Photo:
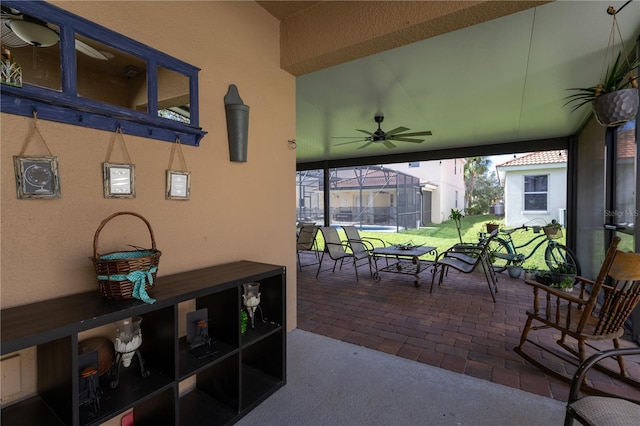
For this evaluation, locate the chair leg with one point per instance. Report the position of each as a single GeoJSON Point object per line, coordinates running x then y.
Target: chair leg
{"type": "Point", "coordinates": [320, 264]}
{"type": "Point", "coordinates": [433, 277]}
{"type": "Point", "coordinates": [623, 370]}
{"type": "Point", "coordinates": [525, 331]}
{"type": "Point", "coordinates": [442, 269]}
{"type": "Point", "coordinates": [370, 259]}
{"type": "Point", "coordinates": [488, 278]}
{"type": "Point", "coordinates": [568, 417]}
{"type": "Point", "coordinates": [355, 266]}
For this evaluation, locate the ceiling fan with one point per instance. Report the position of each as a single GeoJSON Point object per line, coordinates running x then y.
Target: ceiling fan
{"type": "Point", "coordinates": [380, 136]}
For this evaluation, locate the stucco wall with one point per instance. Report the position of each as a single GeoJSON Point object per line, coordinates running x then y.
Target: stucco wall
{"type": "Point", "coordinates": [514, 195]}
{"type": "Point", "coordinates": [237, 210]}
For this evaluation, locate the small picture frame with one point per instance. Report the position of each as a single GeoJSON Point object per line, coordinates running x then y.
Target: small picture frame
{"type": "Point", "coordinates": [119, 180]}
{"type": "Point", "coordinates": [178, 185]}
{"type": "Point", "coordinates": [37, 177]}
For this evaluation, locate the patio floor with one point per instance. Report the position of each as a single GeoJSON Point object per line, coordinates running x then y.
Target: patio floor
{"type": "Point", "coordinates": [457, 327]}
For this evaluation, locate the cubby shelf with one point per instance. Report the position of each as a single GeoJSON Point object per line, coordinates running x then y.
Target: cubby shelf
{"type": "Point", "coordinates": [244, 370]}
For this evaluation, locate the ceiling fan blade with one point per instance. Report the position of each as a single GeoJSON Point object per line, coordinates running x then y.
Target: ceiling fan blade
{"type": "Point", "coordinates": [346, 143]}
{"type": "Point", "coordinates": [388, 144]}
{"type": "Point", "coordinates": [365, 131]}
{"type": "Point", "coordinates": [396, 130]}
{"type": "Point", "coordinates": [425, 133]}
{"type": "Point", "coordinates": [365, 145]}
{"type": "Point", "coordinates": [401, 138]}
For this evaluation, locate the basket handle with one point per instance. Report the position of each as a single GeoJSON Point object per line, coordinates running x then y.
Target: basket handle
{"type": "Point", "coordinates": [104, 222]}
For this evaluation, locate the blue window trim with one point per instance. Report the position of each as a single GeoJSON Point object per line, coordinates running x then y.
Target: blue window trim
{"type": "Point", "coordinates": [66, 106]}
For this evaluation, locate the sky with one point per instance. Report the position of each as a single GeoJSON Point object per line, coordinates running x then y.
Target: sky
{"type": "Point", "coordinates": [499, 159]}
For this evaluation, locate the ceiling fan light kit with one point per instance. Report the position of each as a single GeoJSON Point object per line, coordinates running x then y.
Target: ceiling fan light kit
{"type": "Point", "coordinates": [385, 138]}
{"type": "Point", "coordinates": [35, 33]}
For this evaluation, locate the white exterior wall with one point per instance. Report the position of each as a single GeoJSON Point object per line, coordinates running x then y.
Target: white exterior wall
{"type": "Point", "coordinates": [447, 176]}
{"type": "Point", "coordinates": [514, 193]}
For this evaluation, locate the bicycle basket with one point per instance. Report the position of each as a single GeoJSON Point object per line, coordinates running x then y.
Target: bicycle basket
{"type": "Point", "coordinates": [553, 232]}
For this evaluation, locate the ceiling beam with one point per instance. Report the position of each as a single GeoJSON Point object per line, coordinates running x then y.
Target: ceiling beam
{"type": "Point", "coordinates": [442, 154]}
{"type": "Point", "coordinates": [333, 32]}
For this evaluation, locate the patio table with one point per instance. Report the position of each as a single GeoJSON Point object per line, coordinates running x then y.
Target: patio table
{"type": "Point", "coordinates": [407, 260]}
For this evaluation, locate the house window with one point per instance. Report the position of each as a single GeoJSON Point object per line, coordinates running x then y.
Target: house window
{"type": "Point", "coordinates": [535, 192]}
{"type": "Point", "coordinates": [456, 200]}
{"type": "Point", "coordinates": [414, 164]}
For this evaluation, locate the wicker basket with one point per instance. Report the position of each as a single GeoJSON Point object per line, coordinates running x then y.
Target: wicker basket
{"type": "Point", "coordinates": [126, 274]}
{"type": "Point", "coordinates": [553, 232]}
{"type": "Point", "coordinates": [492, 227]}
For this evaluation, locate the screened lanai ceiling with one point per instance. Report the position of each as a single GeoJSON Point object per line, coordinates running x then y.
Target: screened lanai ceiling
{"type": "Point", "coordinates": [495, 82]}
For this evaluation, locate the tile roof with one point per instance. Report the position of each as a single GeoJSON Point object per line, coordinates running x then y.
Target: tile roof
{"type": "Point", "coordinates": [541, 157]}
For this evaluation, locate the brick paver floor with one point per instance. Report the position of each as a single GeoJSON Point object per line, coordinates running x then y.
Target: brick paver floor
{"type": "Point", "coordinates": [457, 327]}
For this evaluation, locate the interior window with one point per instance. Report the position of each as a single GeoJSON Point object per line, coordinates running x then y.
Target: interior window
{"type": "Point", "coordinates": [40, 63]}
{"type": "Point", "coordinates": [74, 71]}
{"type": "Point", "coordinates": [122, 77]}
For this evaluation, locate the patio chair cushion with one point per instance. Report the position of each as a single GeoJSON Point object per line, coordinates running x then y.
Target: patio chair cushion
{"type": "Point", "coordinates": [605, 411]}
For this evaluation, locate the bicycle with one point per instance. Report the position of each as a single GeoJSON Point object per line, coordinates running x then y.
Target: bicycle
{"type": "Point", "coordinates": [558, 258]}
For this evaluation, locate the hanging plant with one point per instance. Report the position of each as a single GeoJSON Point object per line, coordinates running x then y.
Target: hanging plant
{"type": "Point", "coordinates": [615, 98]}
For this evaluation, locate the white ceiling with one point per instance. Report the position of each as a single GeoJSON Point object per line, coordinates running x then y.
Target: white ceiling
{"type": "Point", "coordinates": [500, 81]}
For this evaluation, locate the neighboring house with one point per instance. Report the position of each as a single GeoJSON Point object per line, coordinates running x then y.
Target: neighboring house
{"type": "Point", "coordinates": [374, 195]}
{"type": "Point", "coordinates": [408, 195]}
{"type": "Point", "coordinates": [535, 187]}
{"type": "Point", "coordinates": [442, 186]}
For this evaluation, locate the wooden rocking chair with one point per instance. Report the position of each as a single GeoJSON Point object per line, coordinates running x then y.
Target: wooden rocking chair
{"type": "Point", "coordinates": [598, 315]}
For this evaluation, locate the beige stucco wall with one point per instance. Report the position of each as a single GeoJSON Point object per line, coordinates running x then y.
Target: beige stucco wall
{"type": "Point", "coordinates": [237, 210]}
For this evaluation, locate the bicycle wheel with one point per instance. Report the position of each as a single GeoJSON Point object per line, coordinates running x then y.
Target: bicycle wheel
{"type": "Point", "coordinates": [501, 254]}
{"type": "Point", "coordinates": [561, 258]}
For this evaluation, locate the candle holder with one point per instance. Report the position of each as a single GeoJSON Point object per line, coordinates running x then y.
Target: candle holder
{"type": "Point", "coordinates": [251, 299]}
{"type": "Point", "coordinates": [198, 338]}
{"type": "Point", "coordinates": [128, 339]}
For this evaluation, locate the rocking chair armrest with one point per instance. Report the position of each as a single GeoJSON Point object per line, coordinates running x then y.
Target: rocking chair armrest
{"type": "Point", "coordinates": [559, 293]}
{"type": "Point", "coordinates": [584, 280]}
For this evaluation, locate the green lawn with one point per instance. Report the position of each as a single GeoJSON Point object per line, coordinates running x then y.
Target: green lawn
{"type": "Point", "coordinates": [445, 235]}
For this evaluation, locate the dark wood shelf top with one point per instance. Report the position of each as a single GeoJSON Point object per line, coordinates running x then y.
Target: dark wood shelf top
{"type": "Point", "coordinates": [36, 323]}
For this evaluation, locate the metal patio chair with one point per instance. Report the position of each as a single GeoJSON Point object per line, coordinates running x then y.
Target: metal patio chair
{"type": "Point", "coordinates": [339, 250]}
{"type": "Point", "coordinates": [597, 409]}
{"type": "Point", "coordinates": [306, 241]}
{"type": "Point", "coordinates": [466, 258]}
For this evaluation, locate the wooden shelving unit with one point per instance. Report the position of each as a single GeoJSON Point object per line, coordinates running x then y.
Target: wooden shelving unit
{"type": "Point", "coordinates": [246, 369]}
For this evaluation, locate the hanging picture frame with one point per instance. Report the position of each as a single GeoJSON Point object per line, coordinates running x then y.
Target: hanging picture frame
{"type": "Point", "coordinates": [119, 180]}
{"type": "Point", "coordinates": [178, 185]}
{"type": "Point", "coordinates": [37, 177]}
{"type": "Point", "coordinates": [178, 181]}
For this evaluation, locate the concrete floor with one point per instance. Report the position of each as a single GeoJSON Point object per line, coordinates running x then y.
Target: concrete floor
{"type": "Point", "coordinates": [335, 383]}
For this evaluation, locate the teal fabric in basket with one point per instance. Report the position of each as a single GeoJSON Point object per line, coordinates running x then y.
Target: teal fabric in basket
{"type": "Point", "coordinates": [138, 278]}
{"type": "Point", "coordinates": [126, 255]}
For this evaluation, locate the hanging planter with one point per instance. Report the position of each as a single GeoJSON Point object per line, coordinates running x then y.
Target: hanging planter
{"type": "Point", "coordinates": [616, 108]}
{"type": "Point", "coordinates": [615, 98]}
